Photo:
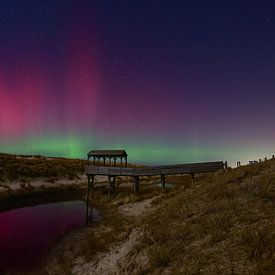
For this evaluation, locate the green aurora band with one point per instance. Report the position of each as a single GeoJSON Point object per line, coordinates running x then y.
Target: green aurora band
{"type": "Point", "coordinates": [74, 146]}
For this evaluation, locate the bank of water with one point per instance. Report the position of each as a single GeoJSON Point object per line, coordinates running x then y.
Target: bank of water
{"type": "Point", "coordinates": [27, 233]}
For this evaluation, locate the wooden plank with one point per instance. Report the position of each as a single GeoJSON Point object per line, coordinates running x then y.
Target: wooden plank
{"type": "Point", "coordinates": [115, 171]}
{"type": "Point", "coordinates": [174, 171]}
{"type": "Point", "coordinates": [206, 167]}
{"type": "Point", "coordinates": [91, 170]}
{"type": "Point", "coordinates": [214, 163]}
{"type": "Point", "coordinates": [127, 171]}
{"type": "Point", "coordinates": [146, 171]}
{"type": "Point", "coordinates": [103, 170]}
{"type": "Point", "coordinates": [192, 168]}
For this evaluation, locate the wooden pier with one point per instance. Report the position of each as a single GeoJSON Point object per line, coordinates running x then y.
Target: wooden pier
{"type": "Point", "coordinates": [137, 172]}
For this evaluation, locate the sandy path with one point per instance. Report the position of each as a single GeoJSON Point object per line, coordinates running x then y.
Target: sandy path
{"type": "Point", "coordinates": [111, 262]}
{"type": "Point", "coordinates": [115, 261]}
{"type": "Point", "coordinates": [137, 209]}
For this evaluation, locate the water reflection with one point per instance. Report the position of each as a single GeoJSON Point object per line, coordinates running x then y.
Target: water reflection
{"type": "Point", "coordinates": [27, 233]}
{"type": "Point", "coordinates": [91, 215]}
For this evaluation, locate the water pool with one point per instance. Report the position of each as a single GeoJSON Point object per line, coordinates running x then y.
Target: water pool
{"type": "Point", "coordinates": [27, 233]}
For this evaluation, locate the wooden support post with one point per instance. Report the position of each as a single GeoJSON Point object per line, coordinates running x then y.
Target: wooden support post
{"type": "Point", "coordinates": [109, 161]}
{"type": "Point", "coordinates": [94, 160]}
{"type": "Point", "coordinates": [114, 184]}
{"type": "Point", "coordinates": [111, 184]}
{"type": "Point", "coordinates": [104, 161]}
{"type": "Point", "coordinates": [120, 161]}
{"type": "Point", "coordinates": [193, 177]}
{"type": "Point", "coordinates": [163, 181]}
{"type": "Point", "coordinates": [91, 185]}
{"type": "Point", "coordinates": [136, 184]}
{"type": "Point", "coordinates": [115, 161]}
{"type": "Point", "coordinates": [273, 156]}
{"type": "Point", "coordinates": [265, 159]}
{"type": "Point", "coordinates": [89, 193]}
{"type": "Point", "coordinates": [126, 162]}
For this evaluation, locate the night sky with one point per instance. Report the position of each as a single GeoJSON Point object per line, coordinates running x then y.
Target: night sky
{"type": "Point", "coordinates": [169, 81]}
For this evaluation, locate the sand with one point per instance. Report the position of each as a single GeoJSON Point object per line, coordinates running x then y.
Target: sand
{"type": "Point", "coordinates": [117, 259]}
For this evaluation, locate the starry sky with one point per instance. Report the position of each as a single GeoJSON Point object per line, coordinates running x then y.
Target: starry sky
{"type": "Point", "coordinates": [169, 81]}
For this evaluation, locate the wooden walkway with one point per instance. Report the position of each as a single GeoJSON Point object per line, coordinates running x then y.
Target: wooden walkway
{"type": "Point", "coordinates": [162, 171]}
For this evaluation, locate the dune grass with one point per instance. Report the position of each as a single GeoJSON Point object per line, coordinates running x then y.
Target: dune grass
{"type": "Point", "coordinates": [223, 224]}
{"type": "Point", "coordinates": [13, 167]}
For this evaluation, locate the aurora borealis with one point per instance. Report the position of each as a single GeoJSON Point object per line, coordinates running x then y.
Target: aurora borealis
{"type": "Point", "coordinates": [169, 81]}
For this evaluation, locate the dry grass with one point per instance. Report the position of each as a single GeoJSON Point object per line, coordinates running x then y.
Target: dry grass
{"type": "Point", "coordinates": [224, 223]}
{"type": "Point", "coordinates": [14, 167]}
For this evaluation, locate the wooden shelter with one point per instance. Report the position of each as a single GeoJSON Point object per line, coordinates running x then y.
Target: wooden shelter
{"type": "Point", "coordinates": [110, 155]}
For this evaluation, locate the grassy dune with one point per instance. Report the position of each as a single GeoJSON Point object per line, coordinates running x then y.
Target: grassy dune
{"type": "Point", "coordinates": [223, 224]}
{"type": "Point", "coordinates": [14, 167]}
{"type": "Point", "coordinates": [30, 180]}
